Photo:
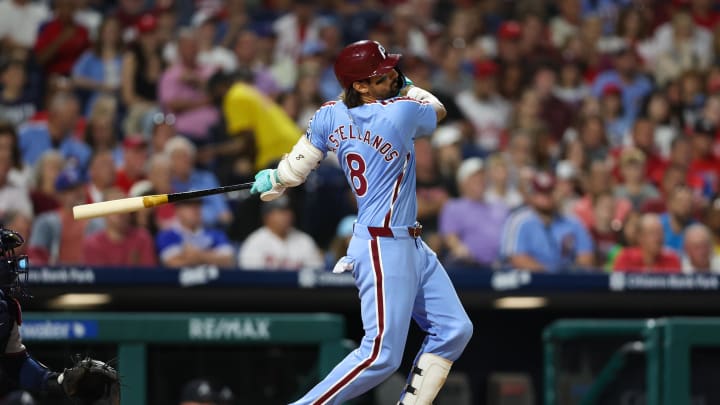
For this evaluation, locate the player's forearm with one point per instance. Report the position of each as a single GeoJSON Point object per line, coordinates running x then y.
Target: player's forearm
{"type": "Point", "coordinates": [296, 165]}
{"type": "Point", "coordinates": [420, 94]}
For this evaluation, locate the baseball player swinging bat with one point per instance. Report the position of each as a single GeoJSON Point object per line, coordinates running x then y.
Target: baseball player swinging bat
{"type": "Point", "coordinates": [132, 204]}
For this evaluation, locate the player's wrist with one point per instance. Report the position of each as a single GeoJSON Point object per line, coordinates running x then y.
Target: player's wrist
{"type": "Point", "coordinates": [276, 178]}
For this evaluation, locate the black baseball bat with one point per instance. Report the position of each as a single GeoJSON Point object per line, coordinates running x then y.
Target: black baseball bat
{"type": "Point", "coordinates": [132, 204]}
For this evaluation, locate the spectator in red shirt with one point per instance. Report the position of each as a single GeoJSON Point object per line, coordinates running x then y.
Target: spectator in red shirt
{"type": "Point", "coordinates": [135, 156]}
{"type": "Point", "coordinates": [599, 181]}
{"type": "Point", "coordinates": [650, 256]}
{"type": "Point", "coordinates": [55, 235]}
{"type": "Point", "coordinates": [61, 41]}
{"type": "Point", "coordinates": [674, 176]}
{"type": "Point", "coordinates": [121, 243]}
{"type": "Point", "coordinates": [554, 112]}
{"type": "Point", "coordinates": [704, 14]}
{"type": "Point", "coordinates": [643, 138]}
{"type": "Point", "coordinates": [129, 12]}
{"type": "Point", "coordinates": [681, 156]}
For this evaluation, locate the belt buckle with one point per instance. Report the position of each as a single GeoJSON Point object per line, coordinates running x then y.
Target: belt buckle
{"type": "Point", "coordinates": [415, 231]}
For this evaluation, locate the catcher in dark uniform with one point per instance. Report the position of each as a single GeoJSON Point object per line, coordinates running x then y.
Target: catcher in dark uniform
{"type": "Point", "coordinates": [88, 381]}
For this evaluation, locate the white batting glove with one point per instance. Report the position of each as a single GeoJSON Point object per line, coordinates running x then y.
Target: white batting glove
{"type": "Point", "coordinates": [275, 192]}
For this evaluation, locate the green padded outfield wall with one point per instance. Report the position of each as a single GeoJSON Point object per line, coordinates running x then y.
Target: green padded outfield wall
{"type": "Point", "coordinates": [133, 332]}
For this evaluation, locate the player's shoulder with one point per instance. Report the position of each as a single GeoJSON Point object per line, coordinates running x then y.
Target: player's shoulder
{"type": "Point", "coordinates": [327, 108]}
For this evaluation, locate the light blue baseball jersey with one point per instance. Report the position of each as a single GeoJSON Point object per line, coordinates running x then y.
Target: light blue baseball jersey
{"type": "Point", "coordinates": [374, 144]}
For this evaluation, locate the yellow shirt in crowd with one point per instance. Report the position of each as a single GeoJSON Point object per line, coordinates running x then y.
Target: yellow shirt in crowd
{"type": "Point", "coordinates": [246, 109]}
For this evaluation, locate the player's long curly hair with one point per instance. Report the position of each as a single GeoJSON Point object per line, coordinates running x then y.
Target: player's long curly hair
{"type": "Point", "coordinates": [351, 97]}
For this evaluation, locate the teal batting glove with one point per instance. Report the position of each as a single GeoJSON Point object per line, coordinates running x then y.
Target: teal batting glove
{"type": "Point", "coordinates": [263, 181]}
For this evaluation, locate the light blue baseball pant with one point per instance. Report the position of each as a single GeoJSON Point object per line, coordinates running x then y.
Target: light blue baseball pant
{"type": "Point", "coordinates": [397, 278]}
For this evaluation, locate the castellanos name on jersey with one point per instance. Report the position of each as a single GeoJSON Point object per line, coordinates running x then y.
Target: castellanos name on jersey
{"type": "Point", "coordinates": [374, 144]}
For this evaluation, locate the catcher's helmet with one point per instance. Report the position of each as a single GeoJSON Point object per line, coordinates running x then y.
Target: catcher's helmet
{"type": "Point", "coordinates": [11, 265]}
{"type": "Point", "coordinates": [361, 60]}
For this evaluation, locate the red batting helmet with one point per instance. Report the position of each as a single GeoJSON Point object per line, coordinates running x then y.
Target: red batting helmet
{"type": "Point", "coordinates": [362, 60]}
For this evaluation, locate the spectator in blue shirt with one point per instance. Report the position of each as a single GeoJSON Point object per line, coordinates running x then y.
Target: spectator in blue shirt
{"type": "Point", "coordinates": [189, 243]}
{"type": "Point", "coordinates": [185, 177]}
{"type": "Point", "coordinates": [35, 139]}
{"type": "Point", "coordinates": [625, 75]}
{"type": "Point", "coordinates": [677, 217]}
{"type": "Point", "coordinates": [98, 70]}
{"type": "Point", "coordinates": [539, 238]}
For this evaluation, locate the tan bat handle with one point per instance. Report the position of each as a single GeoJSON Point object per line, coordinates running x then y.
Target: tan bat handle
{"type": "Point", "coordinates": [123, 205]}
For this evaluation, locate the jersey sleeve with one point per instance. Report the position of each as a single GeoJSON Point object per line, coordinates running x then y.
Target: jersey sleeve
{"type": "Point", "coordinates": [426, 120]}
{"type": "Point", "coordinates": [417, 117]}
{"type": "Point", "coordinates": [317, 129]}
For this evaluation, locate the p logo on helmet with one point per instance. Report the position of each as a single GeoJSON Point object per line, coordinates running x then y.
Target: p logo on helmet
{"type": "Point", "coordinates": [362, 60]}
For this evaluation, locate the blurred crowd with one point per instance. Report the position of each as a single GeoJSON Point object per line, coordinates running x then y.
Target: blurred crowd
{"type": "Point", "coordinates": [582, 135]}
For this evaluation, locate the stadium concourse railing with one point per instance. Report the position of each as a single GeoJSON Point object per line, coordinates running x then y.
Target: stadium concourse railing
{"type": "Point", "coordinates": [463, 278]}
